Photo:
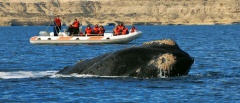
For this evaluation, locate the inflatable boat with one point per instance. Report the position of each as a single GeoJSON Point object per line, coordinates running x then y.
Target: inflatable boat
{"type": "Point", "coordinates": [64, 38]}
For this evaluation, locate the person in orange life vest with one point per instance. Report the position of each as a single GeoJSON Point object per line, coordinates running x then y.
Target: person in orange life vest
{"type": "Point", "coordinates": [57, 25]}
{"type": "Point", "coordinates": [88, 30]}
{"type": "Point", "coordinates": [75, 26]}
{"type": "Point", "coordinates": [125, 31]}
{"type": "Point", "coordinates": [96, 29]}
{"type": "Point", "coordinates": [101, 30]}
{"type": "Point", "coordinates": [116, 31]}
{"type": "Point", "coordinates": [133, 29]}
{"type": "Point", "coordinates": [120, 26]}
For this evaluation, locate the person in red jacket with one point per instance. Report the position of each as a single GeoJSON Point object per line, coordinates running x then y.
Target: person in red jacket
{"type": "Point", "coordinates": [120, 26]}
{"type": "Point", "coordinates": [75, 26]}
{"type": "Point", "coordinates": [57, 25]}
{"type": "Point", "coordinates": [125, 31]}
{"type": "Point", "coordinates": [96, 29]}
{"type": "Point", "coordinates": [133, 29]}
{"type": "Point", "coordinates": [88, 30]}
{"type": "Point", "coordinates": [116, 31]}
{"type": "Point", "coordinates": [101, 30]}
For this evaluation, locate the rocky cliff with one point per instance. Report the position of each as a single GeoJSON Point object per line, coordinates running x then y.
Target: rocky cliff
{"type": "Point", "coordinates": [200, 12]}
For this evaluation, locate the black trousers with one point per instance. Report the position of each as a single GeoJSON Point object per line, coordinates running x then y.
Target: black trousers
{"type": "Point", "coordinates": [76, 30]}
{"type": "Point", "coordinates": [56, 30]}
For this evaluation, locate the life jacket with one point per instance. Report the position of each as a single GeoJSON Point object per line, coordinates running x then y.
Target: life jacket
{"type": "Point", "coordinates": [88, 30]}
{"type": "Point", "coordinates": [57, 21]}
{"type": "Point", "coordinates": [116, 31]}
{"type": "Point", "coordinates": [75, 24]}
{"type": "Point", "coordinates": [101, 31]}
{"type": "Point", "coordinates": [120, 27]}
{"type": "Point", "coordinates": [95, 30]}
{"type": "Point", "coordinates": [133, 30]}
{"type": "Point", "coordinates": [125, 31]}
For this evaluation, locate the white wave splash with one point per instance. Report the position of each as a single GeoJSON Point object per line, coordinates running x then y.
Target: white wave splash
{"type": "Point", "coordinates": [26, 74]}
{"type": "Point", "coordinates": [83, 76]}
{"type": "Point", "coordinates": [50, 74]}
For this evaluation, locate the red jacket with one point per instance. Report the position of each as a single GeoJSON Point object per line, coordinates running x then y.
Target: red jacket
{"type": "Point", "coordinates": [57, 21]}
{"type": "Point", "coordinates": [125, 31]}
{"type": "Point", "coordinates": [133, 30]}
{"type": "Point", "coordinates": [88, 30]}
{"type": "Point", "coordinates": [101, 30]}
{"type": "Point", "coordinates": [116, 31]}
{"type": "Point", "coordinates": [120, 27]}
{"type": "Point", "coordinates": [95, 30]}
{"type": "Point", "coordinates": [75, 24]}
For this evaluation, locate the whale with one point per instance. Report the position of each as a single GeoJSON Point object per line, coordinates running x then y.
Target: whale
{"type": "Point", "coordinates": [153, 59]}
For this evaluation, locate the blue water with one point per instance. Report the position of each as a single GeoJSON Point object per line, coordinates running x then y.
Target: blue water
{"type": "Point", "coordinates": [27, 72]}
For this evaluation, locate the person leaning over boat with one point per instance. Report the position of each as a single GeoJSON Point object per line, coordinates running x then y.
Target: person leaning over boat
{"type": "Point", "coordinates": [96, 29]}
{"type": "Point", "coordinates": [101, 30]}
{"type": "Point", "coordinates": [133, 29]}
{"type": "Point", "coordinates": [125, 30]}
{"type": "Point", "coordinates": [57, 25]}
{"type": "Point", "coordinates": [75, 26]}
{"type": "Point", "coordinates": [88, 30]}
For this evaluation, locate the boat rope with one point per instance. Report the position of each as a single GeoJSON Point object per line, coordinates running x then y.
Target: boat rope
{"type": "Point", "coordinates": [51, 16]}
{"type": "Point", "coordinates": [48, 26]}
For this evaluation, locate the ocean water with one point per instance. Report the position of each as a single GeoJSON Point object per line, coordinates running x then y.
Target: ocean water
{"type": "Point", "coordinates": [27, 72]}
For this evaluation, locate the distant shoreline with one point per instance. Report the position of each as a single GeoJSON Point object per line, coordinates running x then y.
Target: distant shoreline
{"type": "Point", "coordinates": [113, 24]}
{"type": "Point", "coordinates": [130, 12]}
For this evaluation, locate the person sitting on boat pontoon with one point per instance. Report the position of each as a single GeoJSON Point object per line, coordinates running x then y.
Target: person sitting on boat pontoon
{"type": "Point", "coordinates": [116, 31]}
{"type": "Point", "coordinates": [96, 29]}
{"type": "Point", "coordinates": [120, 26]}
{"type": "Point", "coordinates": [57, 25]}
{"type": "Point", "coordinates": [125, 31]}
{"type": "Point", "coordinates": [133, 29]}
{"type": "Point", "coordinates": [75, 26]}
{"type": "Point", "coordinates": [101, 30]}
{"type": "Point", "coordinates": [88, 30]}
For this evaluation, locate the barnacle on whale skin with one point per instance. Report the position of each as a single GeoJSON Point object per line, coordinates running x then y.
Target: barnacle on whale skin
{"type": "Point", "coordinates": [163, 63]}
{"type": "Point", "coordinates": [160, 42]}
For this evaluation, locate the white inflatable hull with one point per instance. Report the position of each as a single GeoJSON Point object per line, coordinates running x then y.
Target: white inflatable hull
{"type": "Point", "coordinates": [108, 38]}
